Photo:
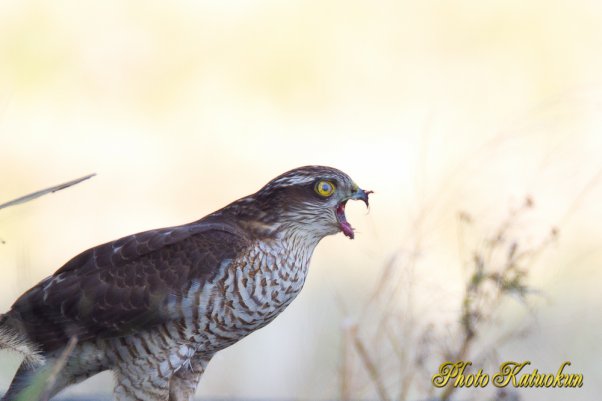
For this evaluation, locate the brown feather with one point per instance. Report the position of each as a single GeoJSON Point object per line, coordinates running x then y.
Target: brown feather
{"type": "Point", "coordinates": [108, 293]}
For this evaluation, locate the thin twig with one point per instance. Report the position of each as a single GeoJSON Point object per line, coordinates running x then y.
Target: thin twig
{"type": "Point", "coordinates": [42, 192]}
{"type": "Point", "coordinates": [371, 367]}
{"type": "Point", "coordinates": [56, 369]}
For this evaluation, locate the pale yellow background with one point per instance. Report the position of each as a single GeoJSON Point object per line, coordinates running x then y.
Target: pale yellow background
{"type": "Point", "coordinates": [438, 106]}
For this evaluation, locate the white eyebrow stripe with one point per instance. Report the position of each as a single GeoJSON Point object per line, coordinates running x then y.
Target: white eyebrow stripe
{"type": "Point", "coordinates": [293, 180]}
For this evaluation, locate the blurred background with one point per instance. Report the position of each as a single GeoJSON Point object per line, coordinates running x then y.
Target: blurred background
{"type": "Point", "coordinates": [453, 112]}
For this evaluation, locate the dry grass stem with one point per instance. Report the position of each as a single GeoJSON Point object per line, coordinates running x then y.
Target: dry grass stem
{"type": "Point", "coordinates": [400, 349]}
{"type": "Point", "coordinates": [56, 368]}
{"type": "Point", "coordinates": [37, 194]}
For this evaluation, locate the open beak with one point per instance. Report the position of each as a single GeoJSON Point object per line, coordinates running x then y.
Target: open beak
{"type": "Point", "coordinates": [358, 194]}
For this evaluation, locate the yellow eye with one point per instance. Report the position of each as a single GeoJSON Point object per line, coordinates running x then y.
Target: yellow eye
{"type": "Point", "coordinates": [325, 188]}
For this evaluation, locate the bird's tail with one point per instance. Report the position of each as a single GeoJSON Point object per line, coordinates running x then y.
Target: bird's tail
{"type": "Point", "coordinates": [11, 338]}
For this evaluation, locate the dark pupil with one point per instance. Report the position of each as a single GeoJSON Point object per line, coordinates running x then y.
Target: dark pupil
{"type": "Point", "coordinates": [325, 187]}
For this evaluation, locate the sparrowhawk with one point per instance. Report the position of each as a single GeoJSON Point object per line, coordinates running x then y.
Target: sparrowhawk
{"type": "Point", "coordinates": [154, 307]}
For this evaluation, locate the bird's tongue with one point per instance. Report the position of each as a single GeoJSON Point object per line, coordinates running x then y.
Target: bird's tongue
{"type": "Point", "coordinates": [343, 223]}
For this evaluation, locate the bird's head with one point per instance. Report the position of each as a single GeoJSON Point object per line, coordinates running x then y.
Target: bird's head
{"type": "Point", "coordinates": [309, 199]}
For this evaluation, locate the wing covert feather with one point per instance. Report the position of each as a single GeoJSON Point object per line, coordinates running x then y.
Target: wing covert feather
{"type": "Point", "coordinates": [124, 286]}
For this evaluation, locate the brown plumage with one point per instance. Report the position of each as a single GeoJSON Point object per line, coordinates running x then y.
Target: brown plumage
{"type": "Point", "coordinates": [154, 307]}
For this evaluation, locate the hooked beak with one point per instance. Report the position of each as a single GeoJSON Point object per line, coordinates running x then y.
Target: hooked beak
{"type": "Point", "coordinates": [362, 195]}
{"type": "Point", "coordinates": [357, 194]}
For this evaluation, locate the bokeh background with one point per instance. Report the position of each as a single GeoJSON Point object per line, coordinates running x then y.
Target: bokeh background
{"type": "Point", "coordinates": [438, 106]}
